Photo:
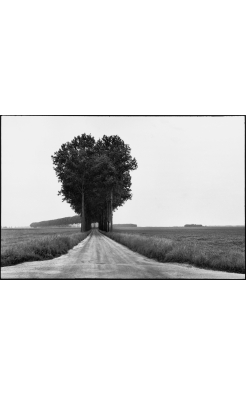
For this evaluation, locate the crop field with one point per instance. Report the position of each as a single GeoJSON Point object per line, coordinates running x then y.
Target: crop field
{"type": "Point", "coordinates": [22, 245]}
{"type": "Point", "coordinates": [218, 248]}
{"type": "Point", "coordinates": [13, 237]}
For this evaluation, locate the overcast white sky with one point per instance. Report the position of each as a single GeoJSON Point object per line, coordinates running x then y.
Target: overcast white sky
{"type": "Point", "coordinates": [190, 169]}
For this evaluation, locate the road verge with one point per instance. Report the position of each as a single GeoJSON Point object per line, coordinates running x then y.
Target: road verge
{"type": "Point", "coordinates": [166, 250]}
{"type": "Point", "coordinates": [42, 249]}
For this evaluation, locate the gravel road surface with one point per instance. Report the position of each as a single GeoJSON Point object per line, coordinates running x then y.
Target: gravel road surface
{"type": "Point", "coordinates": [100, 257]}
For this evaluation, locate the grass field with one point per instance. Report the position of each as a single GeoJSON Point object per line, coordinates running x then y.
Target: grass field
{"type": "Point", "coordinates": [218, 248]}
{"type": "Point", "coordinates": [213, 248]}
{"type": "Point", "coordinates": [23, 245]}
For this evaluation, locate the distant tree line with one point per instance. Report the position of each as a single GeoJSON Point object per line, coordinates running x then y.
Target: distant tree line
{"type": "Point", "coordinates": [193, 226]}
{"type": "Point", "coordinates": [95, 177]}
{"type": "Point", "coordinates": [125, 226]}
{"type": "Point", "coordinates": [58, 222]}
{"type": "Point", "coordinates": [76, 219]}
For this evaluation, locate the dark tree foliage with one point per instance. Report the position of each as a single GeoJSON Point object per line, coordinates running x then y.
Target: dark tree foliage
{"type": "Point", "coordinates": [95, 177]}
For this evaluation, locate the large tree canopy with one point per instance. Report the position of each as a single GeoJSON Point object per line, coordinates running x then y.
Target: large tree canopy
{"type": "Point", "coordinates": [95, 177]}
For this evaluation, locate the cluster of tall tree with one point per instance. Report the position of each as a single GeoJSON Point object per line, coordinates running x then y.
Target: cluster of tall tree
{"type": "Point", "coordinates": [95, 177]}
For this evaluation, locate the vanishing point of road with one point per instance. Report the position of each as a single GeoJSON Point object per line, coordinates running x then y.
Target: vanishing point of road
{"type": "Point", "coordinates": [100, 257]}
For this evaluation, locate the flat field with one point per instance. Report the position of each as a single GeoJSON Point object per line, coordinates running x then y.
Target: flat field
{"type": "Point", "coordinates": [220, 248]}
{"type": "Point", "coordinates": [22, 245]}
{"type": "Point", "coordinates": [208, 238]}
{"type": "Point", "coordinates": [13, 237]}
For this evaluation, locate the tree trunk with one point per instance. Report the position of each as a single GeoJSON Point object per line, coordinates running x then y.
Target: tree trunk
{"type": "Point", "coordinates": [99, 222]}
{"type": "Point", "coordinates": [102, 220]}
{"type": "Point", "coordinates": [83, 210]}
{"type": "Point", "coordinates": [108, 215]}
{"type": "Point", "coordinates": [88, 224]}
{"type": "Point", "coordinates": [107, 218]}
{"type": "Point", "coordinates": [111, 212]}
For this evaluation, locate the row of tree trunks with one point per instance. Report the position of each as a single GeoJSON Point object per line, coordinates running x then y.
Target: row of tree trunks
{"type": "Point", "coordinates": [87, 224]}
{"type": "Point", "coordinates": [83, 211]}
{"type": "Point", "coordinates": [106, 218]}
{"type": "Point", "coordinates": [85, 221]}
{"type": "Point", "coordinates": [111, 212]}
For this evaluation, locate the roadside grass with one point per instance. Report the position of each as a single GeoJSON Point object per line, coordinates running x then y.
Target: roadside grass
{"type": "Point", "coordinates": [187, 252]}
{"type": "Point", "coordinates": [43, 248]}
{"type": "Point", "coordinates": [12, 237]}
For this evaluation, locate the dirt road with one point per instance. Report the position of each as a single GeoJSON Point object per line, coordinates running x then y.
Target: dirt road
{"type": "Point", "coordinates": [100, 257]}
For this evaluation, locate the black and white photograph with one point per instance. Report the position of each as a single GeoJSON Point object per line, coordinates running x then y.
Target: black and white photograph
{"type": "Point", "coordinates": [123, 197]}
